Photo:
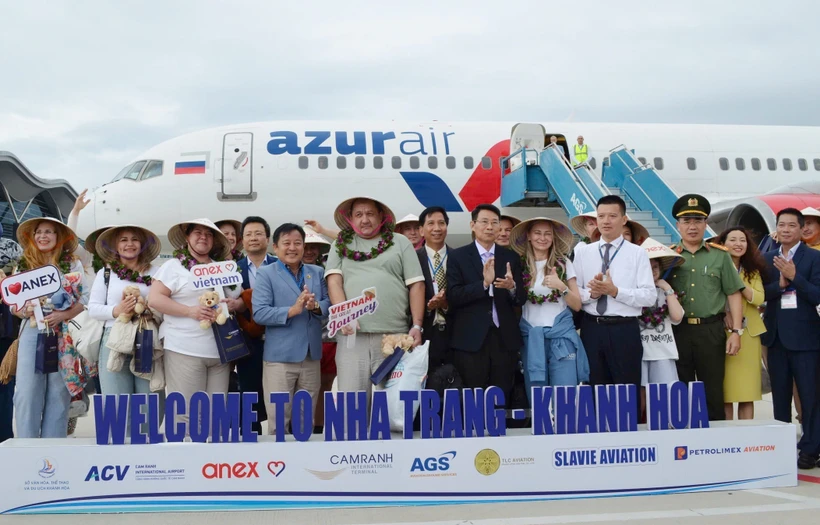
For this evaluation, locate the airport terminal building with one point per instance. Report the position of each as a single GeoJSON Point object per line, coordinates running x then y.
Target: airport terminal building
{"type": "Point", "coordinates": [24, 195]}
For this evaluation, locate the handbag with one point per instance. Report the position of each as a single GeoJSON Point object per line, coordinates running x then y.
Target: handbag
{"type": "Point", "coordinates": [229, 341]}
{"type": "Point", "coordinates": [387, 366]}
{"type": "Point", "coordinates": [246, 323]}
{"type": "Point", "coordinates": [45, 357]}
{"type": "Point", "coordinates": [87, 332]}
{"type": "Point", "coordinates": [143, 349]}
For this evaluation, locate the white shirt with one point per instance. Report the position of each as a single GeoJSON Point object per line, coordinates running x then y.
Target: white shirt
{"type": "Point", "coordinates": [792, 251]}
{"type": "Point", "coordinates": [545, 314]}
{"type": "Point", "coordinates": [101, 304]}
{"type": "Point", "coordinates": [659, 342]}
{"type": "Point", "coordinates": [631, 273]}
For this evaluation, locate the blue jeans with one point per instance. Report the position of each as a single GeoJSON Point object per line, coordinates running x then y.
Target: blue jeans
{"type": "Point", "coordinates": [124, 382]}
{"type": "Point", "coordinates": [6, 397]}
{"type": "Point", "coordinates": [40, 401]}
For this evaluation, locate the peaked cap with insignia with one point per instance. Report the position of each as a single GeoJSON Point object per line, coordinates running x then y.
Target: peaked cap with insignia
{"type": "Point", "coordinates": [691, 205]}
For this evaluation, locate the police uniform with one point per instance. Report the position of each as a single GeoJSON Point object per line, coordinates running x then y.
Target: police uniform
{"type": "Point", "coordinates": [703, 282]}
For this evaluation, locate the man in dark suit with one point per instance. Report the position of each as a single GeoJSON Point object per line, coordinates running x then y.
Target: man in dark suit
{"type": "Point", "coordinates": [793, 331]}
{"type": "Point", "coordinates": [255, 236]}
{"type": "Point", "coordinates": [483, 288]}
{"type": "Point", "coordinates": [433, 259]}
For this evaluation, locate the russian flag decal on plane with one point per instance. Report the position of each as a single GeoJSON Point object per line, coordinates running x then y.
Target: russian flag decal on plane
{"type": "Point", "coordinates": [195, 164]}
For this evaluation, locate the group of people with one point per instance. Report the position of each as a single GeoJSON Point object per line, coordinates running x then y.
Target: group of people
{"type": "Point", "coordinates": [521, 300]}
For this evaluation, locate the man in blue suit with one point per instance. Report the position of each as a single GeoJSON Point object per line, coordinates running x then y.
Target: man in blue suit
{"type": "Point", "coordinates": [793, 331]}
{"type": "Point", "coordinates": [290, 299]}
{"type": "Point", "coordinates": [255, 235]}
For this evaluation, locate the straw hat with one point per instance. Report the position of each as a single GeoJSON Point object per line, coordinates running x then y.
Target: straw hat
{"type": "Point", "coordinates": [409, 218]}
{"type": "Point", "coordinates": [810, 212]}
{"type": "Point", "coordinates": [106, 244]}
{"type": "Point", "coordinates": [91, 240]}
{"type": "Point", "coordinates": [577, 223]}
{"type": "Point", "coordinates": [178, 239]}
{"type": "Point", "coordinates": [237, 227]}
{"type": "Point", "coordinates": [639, 233]}
{"type": "Point", "coordinates": [311, 237]}
{"type": "Point", "coordinates": [561, 236]}
{"type": "Point", "coordinates": [343, 212]}
{"type": "Point", "coordinates": [25, 232]}
{"type": "Point", "coordinates": [668, 257]}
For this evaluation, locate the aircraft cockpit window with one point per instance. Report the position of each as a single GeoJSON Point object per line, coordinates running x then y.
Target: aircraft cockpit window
{"type": "Point", "coordinates": [756, 164]}
{"type": "Point", "coordinates": [378, 162]}
{"type": "Point", "coordinates": [322, 162]}
{"type": "Point", "coordinates": [414, 163]}
{"type": "Point", "coordinates": [692, 164]}
{"type": "Point", "coordinates": [724, 163]}
{"type": "Point", "coordinates": [787, 164]}
{"type": "Point", "coordinates": [802, 164]}
{"type": "Point", "coordinates": [154, 169]}
{"type": "Point", "coordinates": [468, 163]}
{"type": "Point", "coordinates": [341, 163]}
{"type": "Point", "coordinates": [487, 163]}
{"type": "Point", "coordinates": [359, 163]}
{"type": "Point", "coordinates": [450, 162]}
{"type": "Point", "coordinates": [740, 164]}
{"type": "Point", "coordinates": [396, 163]}
{"type": "Point", "coordinates": [126, 169]}
{"type": "Point", "coordinates": [658, 162]}
{"type": "Point", "coordinates": [593, 163]}
{"type": "Point", "coordinates": [771, 164]}
{"type": "Point", "coordinates": [303, 162]}
{"type": "Point", "coordinates": [432, 162]}
{"type": "Point", "coordinates": [135, 170]}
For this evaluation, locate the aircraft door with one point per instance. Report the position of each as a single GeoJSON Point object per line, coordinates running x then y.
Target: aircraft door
{"type": "Point", "coordinates": [237, 165]}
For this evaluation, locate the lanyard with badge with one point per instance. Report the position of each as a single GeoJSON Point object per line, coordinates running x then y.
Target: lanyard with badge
{"type": "Point", "coordinates": [435, 270]}
{"type": "Point", "coordinates": [607, 265]}
{"type": "Point", "coordinates": [788, 299]}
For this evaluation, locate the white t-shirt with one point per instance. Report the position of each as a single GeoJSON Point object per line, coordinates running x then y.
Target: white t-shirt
{"type": "Point", "coordinates": [545, 314]}
{"type": "Point", "coordinates": [101, 305]}
{"type": "Point", "coordinates": [183, 334]}
{"type": "Point", "coordinates": [659, 342]}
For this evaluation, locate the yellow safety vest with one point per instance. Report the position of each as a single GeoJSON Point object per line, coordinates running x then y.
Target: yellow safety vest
{"type": "Point", "coordinates": [581, 153]}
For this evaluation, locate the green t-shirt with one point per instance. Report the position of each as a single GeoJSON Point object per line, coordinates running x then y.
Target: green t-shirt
{"type": "Point", "coordinates": [390, 273]}
{"type": "Point", "coordinates": [707, 277]}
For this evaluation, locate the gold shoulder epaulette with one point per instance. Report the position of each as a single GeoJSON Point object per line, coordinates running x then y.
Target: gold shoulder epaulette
{"type": "Point", "coordinates": [718, 246]}
{"type": "Point", "coordinates": [678, 249]}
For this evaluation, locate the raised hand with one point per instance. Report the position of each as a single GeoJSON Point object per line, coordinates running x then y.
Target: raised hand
{"type": "Point", "coordinates": [507, 282]}
{"type": "Point", "coordinates": [553, 281]}
{"type": "Point", "coordinates": [489, 271]}
{"type": "Point", "coordinates": [81, 202]}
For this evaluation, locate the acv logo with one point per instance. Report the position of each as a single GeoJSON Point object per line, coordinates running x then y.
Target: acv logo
{"type": "Point", "coordinates": [239, 470]}
{"type": "Point", "coordinates": [439, 463]}
{"type": "Point", "coordinates": [107, 473]}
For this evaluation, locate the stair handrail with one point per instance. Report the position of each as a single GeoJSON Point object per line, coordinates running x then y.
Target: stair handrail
{"type": "Point", "coordinates": [599, 182]}
{"type": "Point", "coordinates": [505, 161]}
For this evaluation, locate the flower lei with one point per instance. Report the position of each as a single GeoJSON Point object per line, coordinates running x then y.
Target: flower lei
{"type": "Point", "coordinates": [236, 255]}
{"type": "Point", "coordinates": [554, 296]}
{"type": "Point", "coordinates": [346, 237]}
{"type": "Point", "coordinates": [653, 316]}
{"type": "Point", "coordinates": [66, 259]}
{"type": "Point", "coordinates": [127, 274]}
{"type": "Point", "coordinates": [586, 240]}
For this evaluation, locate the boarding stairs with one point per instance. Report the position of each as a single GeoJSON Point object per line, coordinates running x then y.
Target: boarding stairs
{"type": "Point", "coordinates": [538, 176]}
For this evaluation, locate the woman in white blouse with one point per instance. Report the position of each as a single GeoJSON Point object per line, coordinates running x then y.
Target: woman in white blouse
{"type": "Point", "coordinates": [128, 251]}
{"type": "Point", "coordinates": [553, 353]}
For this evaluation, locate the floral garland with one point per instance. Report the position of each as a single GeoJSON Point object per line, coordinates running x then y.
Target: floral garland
{"type": "Point", "coordinates": [653, 316]}
{"type": "Point", "coordinates": [126, 274]}
{"type": "Point", "coordinates": [66, 259]}
{"type": "Point", "coordinates": [236, 254]}
{"type": "Point", "coordinates": [346, 237]}
{"type": "Point", "coordinates": [586, 240]}
{"type": "Point", "coordinates": [555, 295]}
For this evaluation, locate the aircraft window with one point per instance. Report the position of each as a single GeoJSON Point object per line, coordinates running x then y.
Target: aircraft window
{"type": "Point", "coordinates": [771, 164]}
{"type": "Point", "coordinates": [787, 164]}
{"type": "Point", "coordinates": [642, 160]}
{"type": "Point", "coordinates": [740, 164]}
{"type": "Point", "coordinates": [816, 164]}
{"type": "Point", "coordinates": [486, 163]}
{"type": "Point", "coordinates": [135, 170]}
{"type": "Point", "coordinates": [414, 163]}
{"type": "Point", "coordinates": [378, 162]}
{"type": "Point", "coordinates": [432, 162]}
{"type": "Point", "coordinates": [341, 162]}
{"type": "Point", "coordinates": [303, 162]}
{"type": "Point", "coordinates": [396, 163]}
{"type": "Point", "coordinates": [450, 162]}
{"type": "Point", "coordinates": [322, 163]}
{"type": "Point", "coordinates": [126, 169]}
{"type": "Point", "coordinates": [658, 162]}
{"type": "Point", "coordinates": [593, 163]}
{"type": "Point", "coordinates": [360, 163]}
{"type": "Point", "coordinates": [724, 163]}
{"type": "Point", "coordinates": [691, 163]}
{"type": "Point", "coordinates": [756, 164]}
{"type": "Point", "coordinates": [802, 164]}
{"type": "Point", "coordinates": [154, 169]}
{"type": "Point", "coordinates": [468, 163]}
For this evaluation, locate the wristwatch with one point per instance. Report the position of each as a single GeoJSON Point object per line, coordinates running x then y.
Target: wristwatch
{"type": "Point", "coordinates": [565, 292]}
{"type": "Point", "coordinates": [417, 327]}
{"type": "Point", "coordinates": [669, 292]}
{"type": "Point", "coordinates": [738, 332]}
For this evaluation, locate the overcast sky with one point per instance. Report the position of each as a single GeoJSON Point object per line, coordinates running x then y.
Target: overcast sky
{"type": "Point", "coordinates": [88, 85]}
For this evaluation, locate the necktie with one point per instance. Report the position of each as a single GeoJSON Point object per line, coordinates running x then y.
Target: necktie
{"type": "Point", "coordinates": [484, 258]}
{"type": "Point", "coordinates": [441, 281]}
{"type": "Point", "coordinates": [601, 306]}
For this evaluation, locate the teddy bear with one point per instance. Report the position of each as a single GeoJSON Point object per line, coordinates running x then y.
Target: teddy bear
{"type": "Point", "coordinates": [211, 300]}
{"type": "Point", "coordinates": [391, 341]}
{"type": "Point", "coordinates": [139, 308]}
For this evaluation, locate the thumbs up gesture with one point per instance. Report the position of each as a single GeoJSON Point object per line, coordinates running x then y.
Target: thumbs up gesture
{"type": "Point", "coordinates": [507, 282]}
{"type": "Point", "coordinates": [553, 281]}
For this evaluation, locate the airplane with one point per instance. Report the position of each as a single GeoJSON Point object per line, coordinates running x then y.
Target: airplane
{"type": "Point", "coordinates": [289, 171]}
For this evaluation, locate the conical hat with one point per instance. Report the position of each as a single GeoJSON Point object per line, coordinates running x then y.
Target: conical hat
{"type": "Point", "coordinates": [409, 218]}
{"type": "Point", "coordinates": [106, 244]}
{"type": "Point", "coordinates": [178, 239]}
{"type": "Point", "coordinates": [668, 257]}
{"type": "Point", "coordinates": [311, 237]}
{"type": "Point", "coordinates": [577, 222]}
{"type": "Point", "coordinates": [91, 240]}
{"type": "Point", "coordinates": [25, 233]}
{"type": "Point", "coordinates": [342, 213]}
{"type": "Point", "coordinates": [514, 220]}
{"type": "Point", "coordinates": [237, 227]}
{"type": "Point", "coordinates": [639, 233]}
{"type": "Point", "coordinates": [810, 212]}
{"type": "Point", "coordinates": [561, 236]}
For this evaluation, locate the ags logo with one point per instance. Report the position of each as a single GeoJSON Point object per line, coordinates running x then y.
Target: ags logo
{"type": "Point", "coordinates": [239, 470]}
{"type": "Point", "coordinates": [107, 473]}
{"type": "Point", "coordinates": [681, 453]}
{"type": "Point", "coordinates": [434, 464]}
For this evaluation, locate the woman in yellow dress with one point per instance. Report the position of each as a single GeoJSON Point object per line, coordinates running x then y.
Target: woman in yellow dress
{"type": "Point", "coordinates": [741, 384]}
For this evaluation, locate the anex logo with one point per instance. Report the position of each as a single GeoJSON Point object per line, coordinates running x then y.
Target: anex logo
{"type": "Point", "coordinates": [33, 284]}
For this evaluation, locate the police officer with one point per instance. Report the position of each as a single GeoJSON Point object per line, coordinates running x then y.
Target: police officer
{"type": "Point", "coordinates": [704, 283]}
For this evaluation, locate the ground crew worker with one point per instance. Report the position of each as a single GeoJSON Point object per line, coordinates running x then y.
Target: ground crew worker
{"type": "Point", "coordinates": [581, 151]}
{"type": "Point", "coordinates": [705, 281]}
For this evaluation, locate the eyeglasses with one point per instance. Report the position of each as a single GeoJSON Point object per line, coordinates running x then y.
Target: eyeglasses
{"type": "Point", "coordinates": [485, 222]}
{"type": "Point", "coordinates": [692, 220]}
{"type": "Point", "coordinates": [45, 232]}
